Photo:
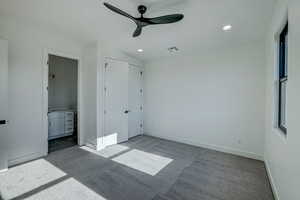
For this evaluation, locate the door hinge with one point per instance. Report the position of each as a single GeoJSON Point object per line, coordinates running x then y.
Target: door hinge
{"type": "Point", "coordinates": [47, 62]}
{"type": "Point", "coordinates": [106, 65]}
{"type": "Point", "coordinates": [141, 73]}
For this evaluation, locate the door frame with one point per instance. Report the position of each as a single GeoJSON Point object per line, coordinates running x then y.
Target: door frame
{"type": "Point", "coordinates": [3, 138]}
{"type": "Point", "coordinates": [55, 52]}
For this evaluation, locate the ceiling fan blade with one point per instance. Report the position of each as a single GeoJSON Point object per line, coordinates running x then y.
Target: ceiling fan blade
{"type": "Point", "coordinates": [137, 32]}
{"type": "Point", "coordinates": [117, 10]}
{"type": "Point", "coordinates": [166, 19]}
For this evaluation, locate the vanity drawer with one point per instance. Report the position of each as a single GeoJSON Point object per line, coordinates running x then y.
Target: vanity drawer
{"type": "Point", "coordinates": [69, 129]}
{"type": "Point", "coordinates": [69, 121]}
{"type": "Point", "coordinates": [69, 115]}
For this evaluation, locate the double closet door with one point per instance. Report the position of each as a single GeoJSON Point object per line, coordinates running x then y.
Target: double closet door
{"type": "Point", "coordinates": [123, 98]}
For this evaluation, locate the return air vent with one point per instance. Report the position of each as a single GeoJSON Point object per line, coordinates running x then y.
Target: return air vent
{"type": "Point", "coordinates": [173, 49]}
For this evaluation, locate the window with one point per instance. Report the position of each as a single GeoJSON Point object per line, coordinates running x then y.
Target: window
{"type": "Point", "coordinates": [283, 79]}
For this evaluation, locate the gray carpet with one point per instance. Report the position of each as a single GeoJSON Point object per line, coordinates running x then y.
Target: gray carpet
{"type": "Point", "coordinates": [144, 168]}
{"type": "Point", "coordinates": [62, 143]}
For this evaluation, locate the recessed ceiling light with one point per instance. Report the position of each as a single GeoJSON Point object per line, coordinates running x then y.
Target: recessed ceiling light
{"type": "Point", "coordinates": [140, 50]}
{"type": "Point", "coordinates": [227, 28]}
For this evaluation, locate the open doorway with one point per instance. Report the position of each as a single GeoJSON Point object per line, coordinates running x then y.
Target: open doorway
{"type": "Point", "coordinates": [62, 102]}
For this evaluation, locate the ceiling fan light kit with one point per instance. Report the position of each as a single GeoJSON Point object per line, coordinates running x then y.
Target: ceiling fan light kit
{"type": "Point", "coordinates": [142, 22]}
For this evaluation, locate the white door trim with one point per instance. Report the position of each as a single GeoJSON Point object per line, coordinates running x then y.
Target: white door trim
{"type": "Point", "coordinates": [45, 66]}
{"type": "Point", "coordinates": [4, 111]}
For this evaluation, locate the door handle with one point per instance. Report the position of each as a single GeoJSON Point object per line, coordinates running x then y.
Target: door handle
{"type": "Point", "coordinates": [3, 122]}
{"type": "Point", "coordinates": [127, 111]}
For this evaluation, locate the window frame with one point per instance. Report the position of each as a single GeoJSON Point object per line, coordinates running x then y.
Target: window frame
{"type": "Point", "coordinates": [282, 74]}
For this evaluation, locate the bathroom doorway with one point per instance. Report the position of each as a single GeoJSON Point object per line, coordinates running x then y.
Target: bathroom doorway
{"type": "Point", "coordinates": [62, 102]}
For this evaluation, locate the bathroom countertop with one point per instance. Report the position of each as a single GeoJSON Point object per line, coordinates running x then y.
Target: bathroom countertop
{"type": "Point", "coordinates": [61, 110]}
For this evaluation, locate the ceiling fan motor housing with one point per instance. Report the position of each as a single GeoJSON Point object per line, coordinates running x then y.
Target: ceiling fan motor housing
{"type": "Point", "coordinates": [142, 9]}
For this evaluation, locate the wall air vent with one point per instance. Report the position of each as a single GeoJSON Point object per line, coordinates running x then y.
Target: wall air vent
{"type": "Point", "coordinates": [173, 49]}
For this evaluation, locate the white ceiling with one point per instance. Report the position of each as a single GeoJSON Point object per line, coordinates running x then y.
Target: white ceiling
{"type": "Point", "coordinates": [89, 20]}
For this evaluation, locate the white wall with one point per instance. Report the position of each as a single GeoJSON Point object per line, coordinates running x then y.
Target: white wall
{"type": "Point", "coordinates": [27, 45]}
{"type": "Point", "coordinates": [63, 87]}
{"type": "Point", "coordinates": [26, 53]}
{"type": "Point", "coordinates": [213, 99]}
{"type": "Point", "coordinates": [89, 94]}
{"type": "Point", "coordinates": [282, 153]}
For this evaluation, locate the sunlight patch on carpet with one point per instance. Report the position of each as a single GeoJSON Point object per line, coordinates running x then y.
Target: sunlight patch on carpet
{"type": "Point", "coordinates": [143, 161]}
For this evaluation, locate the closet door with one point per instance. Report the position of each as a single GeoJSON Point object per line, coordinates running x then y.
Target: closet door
{"type": "Point", "coordinates": [135, 91]}
{"type": "Point", "coordinates": [3, 104]}
{"type": "Point", "coordinates": [116, 102]}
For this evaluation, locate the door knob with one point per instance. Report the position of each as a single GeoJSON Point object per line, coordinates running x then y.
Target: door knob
{"type": "Point", "coordinates": [3, 122]}
{"type": "Point", "coordinates": [127, 111]}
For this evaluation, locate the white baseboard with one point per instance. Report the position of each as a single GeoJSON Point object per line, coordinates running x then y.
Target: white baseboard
{"type": "Point", "coordinates": [3, 170]}
{"type": "Point", "coordinates": [272, 182]}
{"type": "Point", "coordinates": [214, 147]}
{"type": "Point", "coordinates": [89, 143]}
{"type": "Point", "coordinates": [25, 158]}
{"type": "Point", "coordinates": [100, 147]}
{"type": "Point", "coordinates": [100, 144]}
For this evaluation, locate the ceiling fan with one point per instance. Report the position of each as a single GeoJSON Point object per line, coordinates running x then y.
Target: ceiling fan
{"type": "Point", "coordinates": [142, 22]}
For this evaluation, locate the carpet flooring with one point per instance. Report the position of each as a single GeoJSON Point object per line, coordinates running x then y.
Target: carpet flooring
{"type": "Point", "coordinates": [144, 168]}
{"type": "Point", "coordinates": [62, 143]}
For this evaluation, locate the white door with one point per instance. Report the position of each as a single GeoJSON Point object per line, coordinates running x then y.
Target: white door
{"type": "Point", "coordinates": [116, 102]}
{"type": "Point", "coordinates": [3, 103]}
{"type": "Point", "coordinates": [135, 101]}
